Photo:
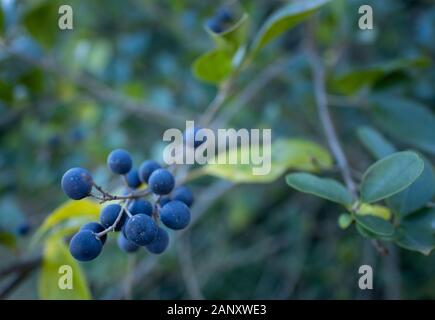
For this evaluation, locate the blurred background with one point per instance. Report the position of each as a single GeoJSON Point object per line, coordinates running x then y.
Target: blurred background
{"type": "Point", "coordinates": [123, 76]}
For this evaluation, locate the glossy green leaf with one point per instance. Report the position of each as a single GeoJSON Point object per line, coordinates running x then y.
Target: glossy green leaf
{"type": "Point", "coordinates": [407, 121]}
{"type": "Point", "coordinates": [325, 188]}
{"type": "Point", "coordinates": [296, 154]}
{"type": "Point", "coordinates": [353, 81]}
{"type": "Point", "coordinates": [390, 175]}
{"type": "Point", "coordinates": [375, 225]}
{"type": "Point", "coordinates": [68, 211]}
{"type": "Point", "coordinates": [56, 255]}
{"type": "Point", "coordinates": [214, 66]}
{"type": "Point", "coordinates": [375, 143]}
{"type": "Point", "coordinates": [417, 195]}
{"type": "Point", "coordinates": [284, 19]}
{"type": "Point", "coordinates": [417, 232]}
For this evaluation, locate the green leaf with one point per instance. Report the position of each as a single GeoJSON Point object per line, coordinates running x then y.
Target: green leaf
{"type": "Point", "coordinates": [213, 67]}
{"type": "Point", "coordinates": [2, 21]}
{"type": "Point", "coordinates": [233, 38]}
{"type": "Point", "coordinates": [390, 175]}
{"type": "Point", "coordinates": [322, 187]}
{"type": "Point", "coordinates": [375, 143]}
{"type": "Point", "coordinates": [350, 82]}
{"type": "Point", "coordinates": [8, 240]}
{"type": "Point", "coordinates": [345, 220]}
{"type": "Point", "coordinates": [284, 19]}
{"type": "Point", "coordinates": [296, 154]}
{"type": "Point", "coordinates": [373, 210]}
{"type": "Point", "coordinates": [71, 210]}
{"type": "Point", "coordinates": [417, 232]}
{"type": "Point", "coordinates": [406, 120]}
{"type": "Point", "coordinates": [375, 225]}
{"type": "Point", "coordinates": [417, 195]}
{"type": "Point", "coordinates": [56, 254]}
{"type": "Point", "coordinates": [41, 22]}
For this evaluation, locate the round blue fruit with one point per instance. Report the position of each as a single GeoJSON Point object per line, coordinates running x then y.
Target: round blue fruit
{"type": "Point", "coordinates": [224, 15]}
{"type": "Point", "coordinates": [109, 214]}
{"type": "Point", "coordinates": [23, 229]}
{"type": "Point", "coordinates": [119, 161]}
{"type": "Point", "coordinates": [183, 194]}
{"type": "Point", "coordinates": [140, 229]}
{"type": "Point", "coordinates": [132, 178]}
{"type": "Point", "coordinates": [95, 227]}
{"type": "Point", "coordinates": [126, 245]}
{"type": "Point", "coordinates": [175, 215]}
{"type": "Point", "coordinates": [164, 200]}
{"type": "Point", "coordinates": [77, 183]}
{"type": "Point", "coordinates": [85, 246]}
{"type": "Point", "coordinates": [160, 242]}
{"type": "Point", "coordinates": [191, 137]}
{"type": "Point", "coordinates": [215, 25]}
{"type": "Point", "coordinates": [140, 206]}
{"type": "Point", "coordinates": [161, 182]}
{"type": "Point", "coordinates": [146, 168]}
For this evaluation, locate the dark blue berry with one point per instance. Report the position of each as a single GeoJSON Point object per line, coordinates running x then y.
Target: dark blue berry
{"type": "Point", "coordinates": [146, 168]}
{"type": "Point", "coordinates": [164, 200]}
{"type": "Point", "coordinates": [224, 15]}
{"type": "Point", "coordinates": [96, 228]}
{"type": "Point", "coordinates": [133, 180]}
{"type": "Point", "coordinates": [109, 214]}
{"type": "Point", "coordinates": [85, 246]}
{"type": "Point", "coordinates": [119, 161]}
{"type": "Point", "coordinates": [161, 182]}
{"type": "Point", "coordinates": [160, 242]}
{"type": "Point", "coordinates": [23, 229]}
{"type": "Point", "coordinates": [215, 25]}
{"type": "Point", "coordinates": [125, 244]}
{"type": "Point", "coordinates": [175, 215]}
{"type": "Point", "coordinates": [77, 183]}
{"type": "Point", "coordinates": [140, 206]}
{"type": "Point", "coordinates": [183, 194]}
{"type": "Point", "coordinates": [191, 137]}
{"type": "Point", "coordinates": [140, 229]}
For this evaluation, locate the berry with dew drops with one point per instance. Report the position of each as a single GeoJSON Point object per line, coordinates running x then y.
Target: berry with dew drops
{"type": "Point", "coordinates": [77, 183]}
{"type": "Point", "coordinates": [85, 246]}
{"type": "Point", "coordinates": [119, 161]}
{"type": "Point", "coordinates": [175, 215]}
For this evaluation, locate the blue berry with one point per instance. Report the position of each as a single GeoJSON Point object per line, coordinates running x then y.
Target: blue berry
{"type": "Point", "coordinates": [96, 228]}
{"type": "Point", "coordinates": [77, 183]}
{"type": "Point", "coordinates": [175, 215]}
{"type": "Point", "coordinates": [160, 242]}
{"type": "Point", "coordinates": [214, 25]}
{"type": "Point", "coordinates": [23, 229]}
{"type": "Point", "coordinates": [183, 194]}
{"type": "Point", "coordinates": [140, 229]}
{"type": "Point", "coordinates": [85, 246]}
{"type": "Point", "coordinates": [224, 15]}
{"type": "Point", "coordinates": [140, 206]}
{"type": "Point", "coordinates": [164, 200]}
{"type": "Point", "coordinates": [146, 168]}
{"type": "Point", "coordinates": [161, 182]}
{"type": "Point", "coordinates": [192, 134]}
{"type": "Point", "coordinates": [125, 244]}
{"type": "Point", "coordinates": [119, 161]}
{"type": "Point", "coordinates": [109, 214]}
{"type": "Point", "coordinates": [133, 180]}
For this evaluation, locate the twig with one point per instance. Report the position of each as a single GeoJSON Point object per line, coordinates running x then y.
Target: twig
{"type": "Point", "coordinates": [188, 271]}
{"type": "Point", "coordinates": [216, 103]}
{"type": "Point", "coordinates": [98, 90]}
{"type": "Point", "coordinates": [318, 74]}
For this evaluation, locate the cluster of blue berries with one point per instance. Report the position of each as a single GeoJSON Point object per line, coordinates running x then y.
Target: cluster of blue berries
{"type": "Point", "coordinates": [136, 219]}
{"type": "Point", "coordinates": [222, 19]}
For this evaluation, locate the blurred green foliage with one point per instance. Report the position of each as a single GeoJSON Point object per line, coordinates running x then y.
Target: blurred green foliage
{"type": "Point", "coordinates": [60, 107]}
